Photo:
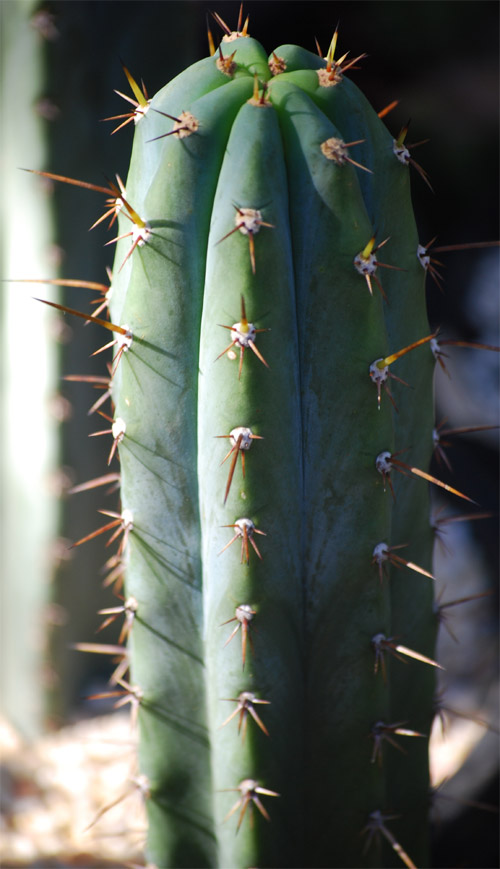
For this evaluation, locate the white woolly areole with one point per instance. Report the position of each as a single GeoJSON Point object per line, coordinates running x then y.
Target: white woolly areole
{"type": "Point", "coordinates": [140, 111]}
{"type": "Point", "coordinates": [130, 605]}
{"type": "Point", "coordinates": [118, 428]}
{"type": "Point", "coordinates": [241, 336]}
{"type": "Point", "coordinates": [185, 125]}
{"type": "Point", "coordinates": [435, 437]}
{"type": "Point", "coordinates": [335, 149]}
{"type": "Point", "coordinates": [401, 152]}
{"type": "Point", "coordinates": [125, 341]}
{"type": "Point", "coordinates": [383, 462]}
{"type": "Point", "coordinates": [436, 349]}
{"type": "Point", "coordinates": [378, 375]}
{"type": "Point", "coordinates": [141, 234]}
{"type": "Point", "coordinates": [127, 518]}
{"type": "Point", "coordinates": [242, 524]}
{"type": "Point", "coordinates": [329, 78]}
{"type": "Point", "coordinates": [248, 220]}
{"type": "Point", "coordinates": [246, 440]}
{"type": "Point", "coordinates": [244, 613]}
{"type": "Point", "coordinates": [423, 257]}
{"type": "Point", "coordinates": [381, 553]}
{"type": "Point", "coordinates": [246, 697]}
{"type": "Point", "coordinates": [248, 786]}
{"type": "Point", "coordinates": [230, 37]}
{"type": "Point", "coordinates": [365, 265]}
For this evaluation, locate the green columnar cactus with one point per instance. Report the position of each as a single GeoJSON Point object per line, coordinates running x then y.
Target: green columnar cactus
{"type": "Point", "coordinates": [270, 469]}
{"type": "Point", "coordinates": [252, 213]}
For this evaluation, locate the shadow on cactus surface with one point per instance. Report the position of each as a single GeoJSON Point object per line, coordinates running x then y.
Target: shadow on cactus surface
{"type": "Point", "coordinates": [270, 410]}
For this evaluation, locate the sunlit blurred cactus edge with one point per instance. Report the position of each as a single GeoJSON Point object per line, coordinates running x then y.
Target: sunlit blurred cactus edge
{"type": "Point", "coordinates": [307, 770]}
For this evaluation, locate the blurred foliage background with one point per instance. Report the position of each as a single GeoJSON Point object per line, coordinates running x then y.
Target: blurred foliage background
{"type": "Point", "coordinates": [440, 60]}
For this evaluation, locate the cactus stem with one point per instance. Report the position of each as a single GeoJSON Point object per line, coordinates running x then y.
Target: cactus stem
{"type": "Point", "coordinates": [383, 553]}
{"type": "Point", "coordinates": [128, 610]}
{"type": "Point", "coordinates": [243, 616]}
{"type": "Point", "coordinates": [382, 644]}
{"type": "Point", "coordinates": [245, 529]}
{"type": "Point", "coordinates": [241, 440]}
{"type": "Point", "coordinates": [385, 462]}
{"type": "Point", "coordinates": [243, 334]}
{"type": "Point", "coordinates": [248, 222]}
{"type": "Point", "coordinates": [381, 731]}
{"type": "Point", "coordinates": [376, 825]}
{"type": "Point", "coordinates": [250, 790]}
{"type": "Point", "coordinates": [336, 149]}
{"type": "Point", "coordinates": [245, 706]}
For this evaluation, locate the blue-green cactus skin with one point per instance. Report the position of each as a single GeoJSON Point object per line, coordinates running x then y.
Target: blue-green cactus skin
{"type": "Point", "coordinates": [310, 485]}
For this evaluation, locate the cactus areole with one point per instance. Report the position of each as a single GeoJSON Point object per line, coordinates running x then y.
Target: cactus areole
{"type": "Point", "coordinates": [267, 255]}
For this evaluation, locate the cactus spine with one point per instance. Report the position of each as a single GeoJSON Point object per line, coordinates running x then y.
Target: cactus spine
{"type": "Point", "coordinates": [262, 469]}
